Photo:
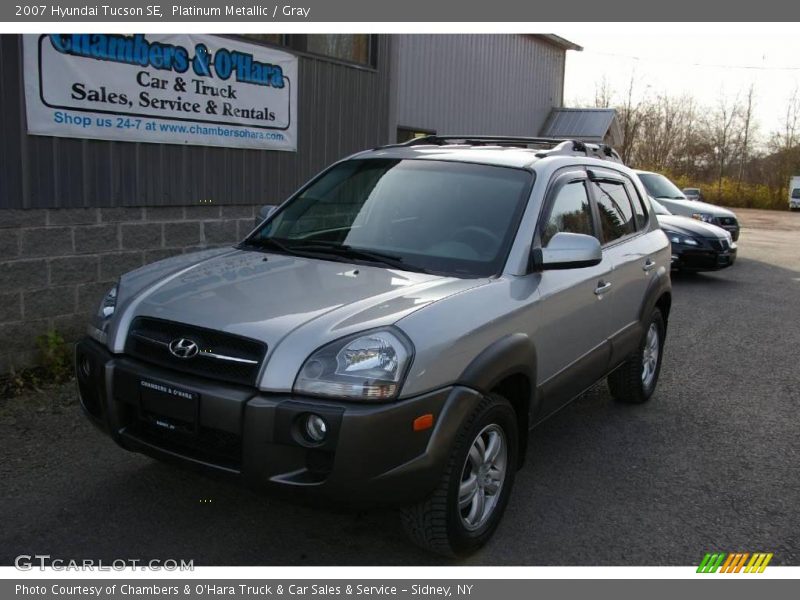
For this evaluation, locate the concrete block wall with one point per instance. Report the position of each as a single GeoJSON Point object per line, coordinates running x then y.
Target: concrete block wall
{"type": "Point", "coordinates": [56, 264]}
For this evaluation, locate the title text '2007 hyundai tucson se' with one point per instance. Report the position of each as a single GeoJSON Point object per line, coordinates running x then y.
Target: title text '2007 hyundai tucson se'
{"type": "Point", "coordinates": [393, 331]}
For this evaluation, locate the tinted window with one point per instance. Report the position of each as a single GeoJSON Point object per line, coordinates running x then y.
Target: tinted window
{"type": "Point", "coordinates": [614, 206]}
{"type": "Point", "coordinates": [570, 212]}
{"type": "Point", "coordinates": [638, 206]}
{"type": "Point", "coordinates": [445, 217]}
{"type": "Point", "coordinates": [796, 193]}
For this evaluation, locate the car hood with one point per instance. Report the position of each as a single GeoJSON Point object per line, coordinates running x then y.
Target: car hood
{"type": "Point", "coordinates": [268, 296]}
{"type": "Point", "coordinates": [687, 207]}
{"type": "Point", "coordinates": [692, 227]}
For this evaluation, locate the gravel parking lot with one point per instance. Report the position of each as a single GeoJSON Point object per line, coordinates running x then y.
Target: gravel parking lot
{"type": "Point", "coordinates": [711, 463]}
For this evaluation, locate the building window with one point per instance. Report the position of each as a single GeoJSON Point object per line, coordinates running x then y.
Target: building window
{"type": "Point", "coordinates": [405, 134]}
{"type": "Point", "coordinates": [354, 47]}
{"type": "Point", "coordinates": [276, 39]}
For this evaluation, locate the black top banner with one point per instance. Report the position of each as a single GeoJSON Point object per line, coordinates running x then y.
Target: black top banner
{"type": "Point", "coordinates": [440, 11]}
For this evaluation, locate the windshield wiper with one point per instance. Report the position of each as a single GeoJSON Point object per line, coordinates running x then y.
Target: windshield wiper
{"type": "Point", "coordinates": [273, 244]}
{"type": "Point", "coordinates": [267, 243]}
{"type": "Point", "coordinates": [345, 251]}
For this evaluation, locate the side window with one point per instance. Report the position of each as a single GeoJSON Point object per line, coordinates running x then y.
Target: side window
{"type": "Point", "coordinates": [570, 212]}
{"type": "Point", "coordinates": [638, 206]}
{"type": "Point", "coordinates": [616, 213]}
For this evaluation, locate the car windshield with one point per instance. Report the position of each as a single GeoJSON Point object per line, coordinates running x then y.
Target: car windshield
{"type": "Point", "coordinates": [659, 186]}
{"type": "Point", "coordinates": [796, 193]}
{"type": "Point", "coordinates": [435, 216]}
{"type": "Point", "coordinates": [659, 208]}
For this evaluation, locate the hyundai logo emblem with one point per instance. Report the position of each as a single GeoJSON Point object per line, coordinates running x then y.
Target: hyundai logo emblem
{"type": "Point", "coordinates": [184, 348]}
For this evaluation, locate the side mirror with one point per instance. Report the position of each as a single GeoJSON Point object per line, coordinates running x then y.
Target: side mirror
{"type": "Point", "coordinates": [265, 212]}
{"type": "Point", "coordinates": [567, 251]}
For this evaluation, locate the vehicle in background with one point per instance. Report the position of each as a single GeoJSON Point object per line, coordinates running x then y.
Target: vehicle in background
{"type": "Point", "coordinates": [693, 193]}
{"type": "Point", "coordinates": [668, 194]}
{"type": "Point", "coordinates": [696, 246]}
{"type": "Point", "coordinates": [794, 193]}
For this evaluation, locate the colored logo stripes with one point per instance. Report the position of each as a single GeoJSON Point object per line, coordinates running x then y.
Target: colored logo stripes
{"type": "Point", "coordinates": [734, 562]}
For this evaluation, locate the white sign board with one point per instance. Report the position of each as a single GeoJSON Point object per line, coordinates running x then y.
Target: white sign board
{"type": "Point", "coordinates": [173, 89]}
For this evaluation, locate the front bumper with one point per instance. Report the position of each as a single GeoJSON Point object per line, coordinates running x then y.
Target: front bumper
{"type": "Point", "coordinates": [371, 455]}
{"type": "Point", "coordinates": [702, 259]}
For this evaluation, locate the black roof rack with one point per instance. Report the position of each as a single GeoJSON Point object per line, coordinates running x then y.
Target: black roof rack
{"type": "Point", "coordinates": [481, 140]}
{"type": "Point", "coordinates": [549, 146]}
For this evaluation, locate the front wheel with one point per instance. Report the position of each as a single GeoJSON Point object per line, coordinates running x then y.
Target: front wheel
{"type": "Point", "coordinates": [635, 380]}
{"type": "Point", "coordinates": [464, 510]}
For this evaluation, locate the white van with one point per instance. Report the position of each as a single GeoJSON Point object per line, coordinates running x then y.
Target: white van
{"type": "Point", "coordinates": [794, 193]}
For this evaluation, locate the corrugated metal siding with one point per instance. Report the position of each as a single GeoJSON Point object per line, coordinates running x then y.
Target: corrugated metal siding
{"type": "Point", "coordinates": [341, 109]}
{"type": "Point", "coordinates": [480, 84]}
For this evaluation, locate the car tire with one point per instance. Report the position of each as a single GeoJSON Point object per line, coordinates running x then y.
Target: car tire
{"type": "Point", "coordinates": [635, 380]}
{"type": "Point", "coordinates": [452, 520]}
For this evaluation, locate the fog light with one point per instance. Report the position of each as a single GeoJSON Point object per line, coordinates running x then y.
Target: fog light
{"type": "Point", "coordinates": [316, 428]}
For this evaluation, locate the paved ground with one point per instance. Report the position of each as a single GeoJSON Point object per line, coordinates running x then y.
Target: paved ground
{"type": "Point", "coordinates": [712, 462]}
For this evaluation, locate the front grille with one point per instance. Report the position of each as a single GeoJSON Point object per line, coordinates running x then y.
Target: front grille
{"type": "Point", "coordinates": [719, 244]}
{"type": "Point", "coordinates": [726, 221]}
{"type": "Point", "coordinates": [222, 356]}
{"type": "Point", "coordinates": [208, 445]}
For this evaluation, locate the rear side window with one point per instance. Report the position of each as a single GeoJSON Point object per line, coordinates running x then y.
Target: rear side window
{"type": "Point", "coordinates": [616, 213]}
{"type": "Point", "coordinates": [570, 212]}
{"type": "Point", "coordinates": [638, 206]}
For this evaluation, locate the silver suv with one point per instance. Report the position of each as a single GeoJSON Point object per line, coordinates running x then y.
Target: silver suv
{"type": "Point", "coordinates": [394, 330]}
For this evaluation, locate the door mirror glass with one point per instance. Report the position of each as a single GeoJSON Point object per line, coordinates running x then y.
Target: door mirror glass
{"type": "Point", "coordinates": [567, 251]}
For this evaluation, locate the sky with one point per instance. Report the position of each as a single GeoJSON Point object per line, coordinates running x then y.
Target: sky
{"type": "Point", "coordinates": [701, 61]}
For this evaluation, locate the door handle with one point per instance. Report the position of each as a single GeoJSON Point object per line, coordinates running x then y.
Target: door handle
{"type": "Point", "coordinates": [602, 287]}
{"type": "Point", "coordinates": [649, 265]}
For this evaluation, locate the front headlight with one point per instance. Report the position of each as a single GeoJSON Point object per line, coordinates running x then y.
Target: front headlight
{"type": "Point", "coordinates": [108, 305]}
{"type": "Point", "coordinates": [677, 238]}
{"type": "Point", "coordinates": [704, 217]}
{"type": "Point", "coordinates": [365, 366]}
{"type": "Point", "coordinates": [98, 325]}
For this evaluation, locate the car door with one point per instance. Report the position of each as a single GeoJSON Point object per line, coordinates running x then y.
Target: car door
{"type": "Point", "coordinates": [573, 309]}
{"type": "Point", "coordinates": [632, 252]}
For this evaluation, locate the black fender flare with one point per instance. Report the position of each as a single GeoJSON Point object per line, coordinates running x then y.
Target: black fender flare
{"type": "Point", "coordinates": [514, 354]}
{"type": "Point", "coordinates": [659, 286]}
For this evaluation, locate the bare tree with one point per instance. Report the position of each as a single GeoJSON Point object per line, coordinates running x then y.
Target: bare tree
{"type": "Point", "coordinates": [788, 133]}
{"type": "Point", "coordinates": [629, 114]}
{"type": "Point", "coordinates": [747, 126]}
{"type": "Point", "coordinates": [603, 94]}
{"type": "Point", "coordinates": [721, 130]}
{"type": "Point", "coordinates": [785, 142]}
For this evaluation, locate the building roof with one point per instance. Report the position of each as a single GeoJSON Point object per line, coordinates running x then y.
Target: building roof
{"type": "Point", "coordinates": [585, 124]}
{"type": "Point", "coordinates": [557, 40]}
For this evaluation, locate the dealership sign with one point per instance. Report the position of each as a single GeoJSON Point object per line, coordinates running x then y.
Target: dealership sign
{"type": "Point", "coordinates": [174, 89]}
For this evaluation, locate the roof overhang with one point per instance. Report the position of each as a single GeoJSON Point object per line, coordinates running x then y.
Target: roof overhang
{"type": "Point", "coordinates": [557, 40]}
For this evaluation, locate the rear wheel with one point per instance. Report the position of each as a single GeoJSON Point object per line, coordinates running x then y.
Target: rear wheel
{"type": "Point", "coordinates": [464, 510]}
{"type": "Point", "coordinates": [635, 380]}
